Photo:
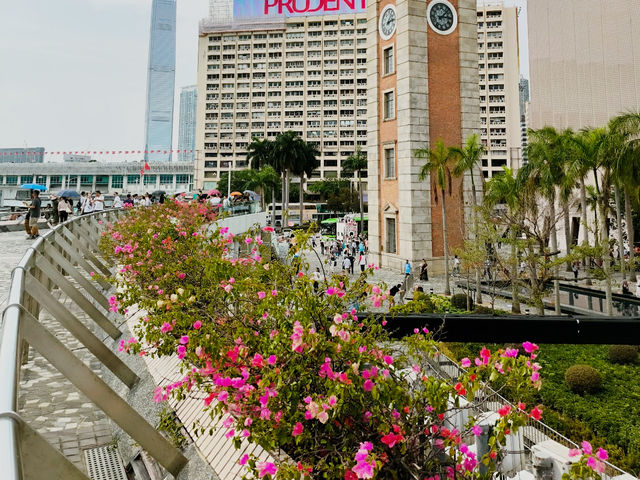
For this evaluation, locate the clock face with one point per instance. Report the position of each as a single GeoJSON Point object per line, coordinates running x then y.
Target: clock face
{"type": "Point", "coordinates": [442, 17]}
{"type": "Point", "coordinates": [387, 25]}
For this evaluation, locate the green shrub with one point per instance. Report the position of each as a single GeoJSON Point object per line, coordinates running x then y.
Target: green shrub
{"type": "Point", "coordinates": [623, 353]}
{"type": "Point", "coordinates": [459, 301]}
{"type": "Point", "coordinates": [482, 310]}
{"type": "Point", "coordinates": [421, 303]}
{"type": "Point", "coordinates": [583, 379]}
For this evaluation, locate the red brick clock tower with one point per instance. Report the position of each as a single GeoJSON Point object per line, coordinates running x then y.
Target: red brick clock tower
{"type": "Point", "coordinates": [422, 86]}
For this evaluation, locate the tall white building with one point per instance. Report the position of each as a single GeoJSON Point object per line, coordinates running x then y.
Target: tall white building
{"type": "Point", "coordinates": [257, 79]}
{"type": "Point", "coordinates": [499, 71]}
{"type": "Point", "coordinates": [187, 123]}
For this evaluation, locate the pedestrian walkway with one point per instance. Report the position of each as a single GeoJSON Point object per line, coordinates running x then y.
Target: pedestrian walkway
{"type": "Point", "coordinates": [13, 245]}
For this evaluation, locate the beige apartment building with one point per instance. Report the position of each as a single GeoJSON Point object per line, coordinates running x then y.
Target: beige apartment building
{"type": "Point", "coordinates": [499, 75]}
{"type": "Point", "coordinates": [585, 61]}
{"type": "Point", "coordinates": [256, 80]}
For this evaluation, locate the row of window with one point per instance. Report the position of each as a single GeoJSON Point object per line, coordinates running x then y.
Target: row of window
{"type": "Point", "coordinates": [117, 181]}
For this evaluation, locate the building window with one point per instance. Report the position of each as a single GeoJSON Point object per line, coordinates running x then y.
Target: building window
{"type": "Point", "coordinates": [166, 179]}
{"type": "Point", "coordinates": [86, 180]}
{"type": "Point", "coordinates": [390, 225]}
{"type": "Point", "coordinates": [41, 179]}
{"type": "Point", "coordinates": [389, 105]}
{"type": "Point", "coordinates": [388, 66]}
{"type": "Point", "coordinates": [133, 179]}
{"type": "Point", "coordinates": [149, 179]}
{"type": "Point", "coordinates": [12, 180]}
{"type": "Point", "coordinates": [390, 162]}
{"type": "Point", "coordinates": [102, 181]}
{"type": "Point", "coordinates": [26, 178]}
{"type": "Point", "coordinates": [182, 179]}
{"type": "Point", "coordinates": [116, 181]}
{"type": "Point", "coordinates": [55, 181]}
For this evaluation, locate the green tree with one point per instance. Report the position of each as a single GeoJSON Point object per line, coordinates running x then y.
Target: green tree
{"type": "Point", "coordinates": [356, 163]}
{"type": "Point", "coordinates": [469, 161]}
{"type": "Point", "coordinates": [265, 180]}
{"type": "Point", "coordinates": [306, 163]}
{"type": "Point", "coordinates": [437, 168]}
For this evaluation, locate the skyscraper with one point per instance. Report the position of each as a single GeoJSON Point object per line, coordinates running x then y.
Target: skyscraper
{"type": "Point", "coordinates": [161, 81]}
{"type": "Point", "coordinates": [187, 125]}
{"type": "Point", "coordinates": [499, 80]}
{"type": "Point", "coordinates": [585, 61]}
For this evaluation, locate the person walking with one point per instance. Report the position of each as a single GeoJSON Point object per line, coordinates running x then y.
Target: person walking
{"type": "Point", "coordinates": [346, 263]}
{"type": "Point", "coordinates": [575, 268]}
{"type": "Point", "coordinates": [98, 202]}
{"type": "Point", "coordinates": [362, 262]}
{"type": "Point", "coordinates": [407, 268]}
{"type": "Point", "coordinates": [117, 201]}
{"type": "Point", "coordinates": [456, 266]}
{"type": "Point", "coordinates": [35, 213]}
{"type": "Point", "coordinates": [55, 217]}
{"type": "Point", "coordinates": [424, 271]}
{"type": "Point", "coordinates": [63, 209]}
{"type": "Point", "coordinates": [84, 198]}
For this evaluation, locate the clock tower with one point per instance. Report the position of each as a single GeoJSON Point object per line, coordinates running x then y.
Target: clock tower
{"type": "Point", "coordinates": [422, 87]}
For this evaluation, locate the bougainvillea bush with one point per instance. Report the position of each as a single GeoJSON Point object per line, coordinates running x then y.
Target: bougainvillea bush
{"type": "Point", "coordinates": [292, 365]}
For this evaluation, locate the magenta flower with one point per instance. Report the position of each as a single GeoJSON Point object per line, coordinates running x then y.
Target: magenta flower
{"type": "Point", "coordinates": [266, 468]}
{"type": "Point", "coordinates": [465, 362]}
{"type": "Point", "coordinates": [184, 339]}
{"type": "Point", "coordinates": [529, 347]}
{"type": "Point", "coordinates": [261, 295]}
{"type": "Point", "coordinates": [166, 327]}
{"type": "Point", "coordinates": [575, 452]}
{"type": "Point", "coordinates": [477, 430]}
{"type": "Point", "coordinates": [271, 360]}
{"type": "Point", "coordinates": [244, 459]}
{"type": "Point", "coordinates": [298, 428]}
{"type": "Point", "coordinates": [197, 324]}
{"type": "Point", "coordinates": [586, 446]}
{"type": "Point", "coordinates": [388, 359]}
{"type": "Point", "coordinates": [602, 454]}
{"type": "Point", "coordinates": [368, 385]}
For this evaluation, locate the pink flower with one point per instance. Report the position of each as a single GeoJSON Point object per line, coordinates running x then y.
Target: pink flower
{"type": "Point", "coordinates": [266, 468]}
{"type": "Point", "coordinates": [536, 413]}
{"type": "Point", "coordinates": [388, 359]}
{"type": "Point", "coordinates": [166, 327]}
{"type": "Point", "coordinates": [261, 295]}
{"type": "Point", "coordinates": [529, 347]}
{"type": "Point", "coordinates": [477, 430]}
{"type": "Point", "coordinates": [181, 276]}
{"type": "Point", "coordinates": [390, 439]}
{"type": "Point", "coordinates": [330, 291]}
{"type": "Point", "coordinates": [184, 339]}
{"type": "Point", "coordinates": [465, 362]}
{"type": "Point", "coordinates": [575, 452]}
{"type": "Point", "coordinates": [244, 459]}
{"type": "Point", "coordinates": [182, 351]}
{"type": "Point", "coordinates": [504, 411]}
{"type": "Point", "coordinates": [197, 324]}
{"type": "Point", "coordinates": [297, 429]}
{"type": "Point", "coordinates": [591, 462]}
{"type": "Point", "coordinates": [228, 288]}
{"type": "Point", "coordinates": [271, 360]}
{"type": "Point", "coordinates": [586, 446]}
{"type": "Point", "coordinates": [602, 454]}
{"type": "Point", "coordinates": [368, 385]}
{"type": "Point", "coordinates": [267, 229]}
{"type": "Point", "coordinates": [323, 417]}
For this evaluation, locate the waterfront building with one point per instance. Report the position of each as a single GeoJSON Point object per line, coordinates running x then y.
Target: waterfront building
{"type": "Point", "coordinates": [187, 124]}
{"type": "Point", "coordinates": [585, 61]}
{"type": "Point", "coordinates": [499, 74]}
{"type": "Point", "coordinates": [259, 76]}
{"type": "Point", "coordinates": [161, 81]}
{"type": "Point", "coordinates": [22, 155]}
{"type": "Point", "coordinates": [119, 177]}
{"type": "Point", "coordinates": [75, 158]}
{"type": "Point", "coordinates": [422, 87]}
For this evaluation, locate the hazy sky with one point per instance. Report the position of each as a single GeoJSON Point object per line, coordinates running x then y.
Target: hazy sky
{"type": "Point", "coordinates": [73, 72]}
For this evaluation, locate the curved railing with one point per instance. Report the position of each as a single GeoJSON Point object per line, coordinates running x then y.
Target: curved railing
{"type": "Point", "coordinates": [64, 255]}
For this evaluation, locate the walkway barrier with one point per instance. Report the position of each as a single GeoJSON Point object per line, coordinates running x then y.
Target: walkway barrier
{"type": "Point", "coordinates": [66, 254]}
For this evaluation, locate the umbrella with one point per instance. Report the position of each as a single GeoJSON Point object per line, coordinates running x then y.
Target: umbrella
{"type": "Point", "coordinates": [33, 186]}
{"type": "Point", "coordinates": [213, 191]}
{"type": "Point", "coordinates": [68, 194]}
{"type": "Point", "coordinates": [158, 193]}
{"type": "Point", "coordinates": [254, 196]}
{"type": "Point", "coordinates": [236, 194]}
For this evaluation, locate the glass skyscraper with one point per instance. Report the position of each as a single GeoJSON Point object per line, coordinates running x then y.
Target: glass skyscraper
{"type": "Point", "coordinates": [187, 125]}
{"type": "Point", "coordinates": [161, 81]}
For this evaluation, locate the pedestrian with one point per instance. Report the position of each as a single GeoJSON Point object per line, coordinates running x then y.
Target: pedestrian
{"type": "Point", "coordinates": [456, 265]}
{"type": "Point", "coordinates": [84, 198]}
{"type": "Point", "coordinates": [55, 217]}
{"type": "Point", "coordinates": [407, 268]}
{"type": "Point", "coordinates": [321, 247]}
{"type": "Point", "coordinates": [352, 262]}
{"type": "Point", "coordinates": [128, 201]}
{"type": "Point", "coordinates": [316, 277]}
{"type": "Point", "coordinates": [424, 270]}
{"type": "Point", "coordinates": [117, 201]}
{"type": "Point", "coordinates": [625, 287]}
{"type": "Point", "coordinates": [35, 213]}
{"type": "Point", "coordinates": [392, 294]}
{"type": "Point", "coordinates": [88, 204]}
{"type": "Point", "coordinates": [147, 200]}
{"type": "Point", "coordinates": [487, 269]}
{"type": "Point", "coordinates": [575, 268]}
{"type": "Point", "coordinates": [64, 209]}
{"type": "Point", "coordinates": [362, 262]}
{"type": "Point", "coordinates": [346, 263]}
{"type": "Point", "coordinates": [98, 202]}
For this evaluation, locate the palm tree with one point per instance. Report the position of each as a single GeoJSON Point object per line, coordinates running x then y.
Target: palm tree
{"type": "Point", "coordinates": [264, 180]}
{"type": "Point", "coordinates": [505, 189]}
{"type": "Point", "coordinates": [469, 160]}
{"type": "Point", "coordinates": [260, 153]}
{"type": "Point", "coordinates": [288, 150]}
{"type": "Point", "coordinates": [628, 125]}
{"type": "Point", "coordinates": [306, 163]}
{"type": "Point", "coordinates": [357, 163]}
{"type": "Point", "coordinates": [545, 172]}
{"type": "Point", "coordinates": [437, 169]}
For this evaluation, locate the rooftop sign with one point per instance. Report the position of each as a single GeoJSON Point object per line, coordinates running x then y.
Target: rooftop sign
{"type": "Point", "coordinates": [267, 9]}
